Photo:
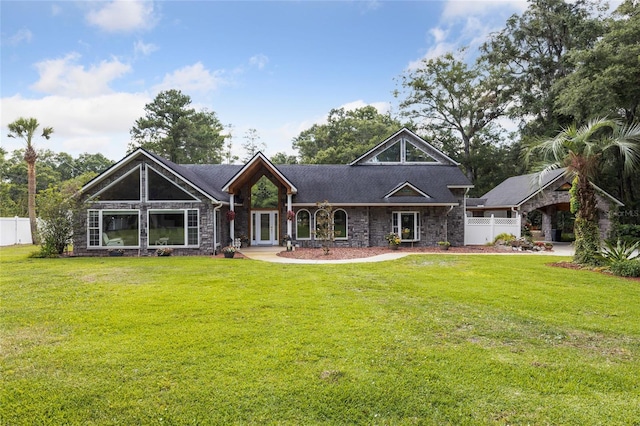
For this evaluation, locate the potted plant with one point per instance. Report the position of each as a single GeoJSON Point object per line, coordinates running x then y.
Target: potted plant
{"type": "Point", "coordinates": [231, 215]}
{"type": "Point", "coordinates": [229, 251]}
{"type": "Point", "coordinates": [393, 239]}
{"type": "Point", "coordinates": [548, 246]}
{"type": "Point", "coordinates": [291, 215]}
{"type": "Point", "coordinates": [444, 245]}
{"type": "Point", "coordinates": [405, 232]}
{"type": "Point", "coordinates": [164, 251]}
{"type": "Point", "coordinates": [115, 252]}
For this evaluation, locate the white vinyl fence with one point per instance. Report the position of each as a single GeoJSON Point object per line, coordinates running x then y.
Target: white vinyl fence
{"type": "Point", "coordinates": [14, 230]}
{"type": "Point", "coordinates": [482, 230]}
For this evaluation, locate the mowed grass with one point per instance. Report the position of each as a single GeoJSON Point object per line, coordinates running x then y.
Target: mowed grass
{"type": "Point", "coordinates": [428, 339]}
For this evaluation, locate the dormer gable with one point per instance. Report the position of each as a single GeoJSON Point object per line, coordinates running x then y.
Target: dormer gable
{"type": "Point", "coordinates": [407, 148]}
{"type": "Point", "coordinates": [406, 189]}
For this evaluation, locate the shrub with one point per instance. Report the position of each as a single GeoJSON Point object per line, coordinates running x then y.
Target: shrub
{"type": "Point", "coordinates": [626, 268]}
{"type": "Point", "coordinates": [620, 251]}
{"type": "Point", "coordinates": [629, 233]}
{"type": "Point", "coordinates": [503, 238]}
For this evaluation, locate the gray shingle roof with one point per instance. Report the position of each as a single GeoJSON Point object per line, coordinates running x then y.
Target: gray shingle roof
{"type": "Point", "coordinates": [343, 184]}
{"type": "Point", "coordinates": [514, 191]}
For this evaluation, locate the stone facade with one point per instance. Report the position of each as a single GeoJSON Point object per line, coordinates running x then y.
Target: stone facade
{"type": "Point", "coordinates": [548, 202]}
{"type": "Point", "coordinates": [205, 214]}
{"type": "Point", "coordinates": [368, 226]}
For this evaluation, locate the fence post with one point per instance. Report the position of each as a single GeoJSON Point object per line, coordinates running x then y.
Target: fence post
{"type": "Point", "coordinates": [493, 228]}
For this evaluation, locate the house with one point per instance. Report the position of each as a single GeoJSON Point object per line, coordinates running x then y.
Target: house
{"type": "Point", "coordinates": [503, 208]}
{"type": "Point", "coordinates": [144, 202]}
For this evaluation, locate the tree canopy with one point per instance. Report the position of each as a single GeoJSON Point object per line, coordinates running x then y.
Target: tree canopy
{"type": "Point", "coordinates": [346, 135]}
{"type": "Point", "coordinates": [532, 50]}
{"type": "Point", "coordinates": [172, 129]}
{"type": "Point", "coordinates": [455, 104]}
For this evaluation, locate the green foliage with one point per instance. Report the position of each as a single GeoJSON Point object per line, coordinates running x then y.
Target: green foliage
{"type": "Point", "coordinates": [58, 211]}
{"type": "Point", "coordinates": [587, 243]}
{"type": "Point", "coordinates": [626, 268]}
{"type": "Point", "coordinates": [181, 134]}
{"type": "Point", "coordinates": [620, 251]}
{"type": "Point", "coordinates": [53, 169]}
{"type": "Point", "coordinates": [503, 238]}
{"type": "Point", "coordinates": [455, 102]}
{"type": "Point", "coordinates": [264, 194]}
{"type": "Point", "coordinates": [532, 50]}
{"type": "Point", "coordinates": [605, 80]}
{"type": "Point", "coordinates": [428, 339]}
{"type": "Point", "coordinates": [284, 158]}
{"type": "Point", "coordinates": [629, 233]}
{"type": "Point", "coordinates": [574, 201]}
{"type": "Point", "coordinates": [346, 136]}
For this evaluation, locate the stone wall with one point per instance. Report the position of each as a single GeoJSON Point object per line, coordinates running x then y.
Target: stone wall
{"type": "Point", "coordinates": [368, 226]}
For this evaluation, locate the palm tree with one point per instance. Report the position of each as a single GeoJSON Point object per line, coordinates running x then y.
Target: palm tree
{"type": "Point", "coordinates": [25, 128]}
{"type": "Point", "coordinates": [580, 150]}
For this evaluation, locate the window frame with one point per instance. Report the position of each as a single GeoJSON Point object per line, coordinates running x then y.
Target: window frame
{"type": "Point", "coordinates": [396, 224]}
{"type": "Point", "coordinates": [100, 216]}
{"type": "Point", "coordinates": [402, 142]}
{"type": "Point", "coordinates": [311, 223]}
{"type": "Point", "coordinates": [96, 197]}
{"type": "Point", "coordinates": [146, 189]}
{"type": "Point", "coordinates": [346, 224]}
{"type": "Point", "coordinates": [186, 227]}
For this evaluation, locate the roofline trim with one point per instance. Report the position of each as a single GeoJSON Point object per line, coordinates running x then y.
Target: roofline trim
{"type": "Point", "coordinates": [119, 164]}
{"type": "Point", "coordinates": [259, 156]}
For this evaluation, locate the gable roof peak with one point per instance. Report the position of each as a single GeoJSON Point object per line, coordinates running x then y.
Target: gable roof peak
{"type": "Point", "coordinates": [404, 133]}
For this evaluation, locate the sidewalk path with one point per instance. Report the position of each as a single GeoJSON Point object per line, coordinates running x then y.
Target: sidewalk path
{"type": "Point", "coordinates": [270, 254]}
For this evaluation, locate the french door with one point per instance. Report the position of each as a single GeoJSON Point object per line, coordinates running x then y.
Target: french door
{"type": "Point", "coordinates": [265, 227]}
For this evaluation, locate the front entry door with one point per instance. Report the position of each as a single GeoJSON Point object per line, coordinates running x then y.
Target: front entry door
{"type": "Point", "coordinates": [265, 227]}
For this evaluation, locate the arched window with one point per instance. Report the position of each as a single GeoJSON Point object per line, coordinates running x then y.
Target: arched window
{"type": "Point", "coordinates": [340, 227]}
{"type": "Point", "coordinates": [303, 225]}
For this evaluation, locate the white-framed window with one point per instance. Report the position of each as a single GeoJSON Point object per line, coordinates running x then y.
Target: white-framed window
{"type": "Point", "coordinates": [303, 225]}
{"type": "Point", "coordinates": [340, 224]}
{"type": "Point", "coordinates": [406, 225]}
{"type": "Point", "coordinates": [113, 228]}
{"type": "Point", "coordinates": [402, 151]}
{"type": "Point", "coordinates": [175, 227]}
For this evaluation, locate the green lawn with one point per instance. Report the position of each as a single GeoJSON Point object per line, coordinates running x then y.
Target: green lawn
{"type": "Point", "coordinates": [428, 339]}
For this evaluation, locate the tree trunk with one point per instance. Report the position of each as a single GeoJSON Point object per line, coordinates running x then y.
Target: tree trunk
{"type": "Point", "coordinates": [30, 157]}
{"type": "Point", "coordinates": [586, 230]}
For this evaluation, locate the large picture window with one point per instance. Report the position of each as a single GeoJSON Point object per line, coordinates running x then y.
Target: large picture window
{"type": "Point", "coordinates": [407, 225]}
{"type": "Point", "coordinates": [303, 225]}
{"type": "Point", "coordinates": [113, 228]}
{"type": "Point", "coordinates": [173, 228]}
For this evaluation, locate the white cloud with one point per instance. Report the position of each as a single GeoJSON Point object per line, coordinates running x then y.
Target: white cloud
{"type": "Point", "coordinates": [97, 124]}
{"type": "Point", "coordinates": [65, 77]}
{"type": "Point", "coordinates": [23, 35]}
{"type": "Point", "coordinates": [259, 61]}
{"type": "Point", "coordinates": [192, 78]}
{"type": "Point", "coordinates": [123, 16]}
{"type": "Point", "coordinates": [382, 107]}
{"type": "Point", "coordinates": [144, 49]}
{"type": "Point", "coordinates": [467, 23]}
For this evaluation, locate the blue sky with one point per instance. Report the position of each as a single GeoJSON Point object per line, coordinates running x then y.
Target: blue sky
{"type": "Point", "coordinates": [88, 68]}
